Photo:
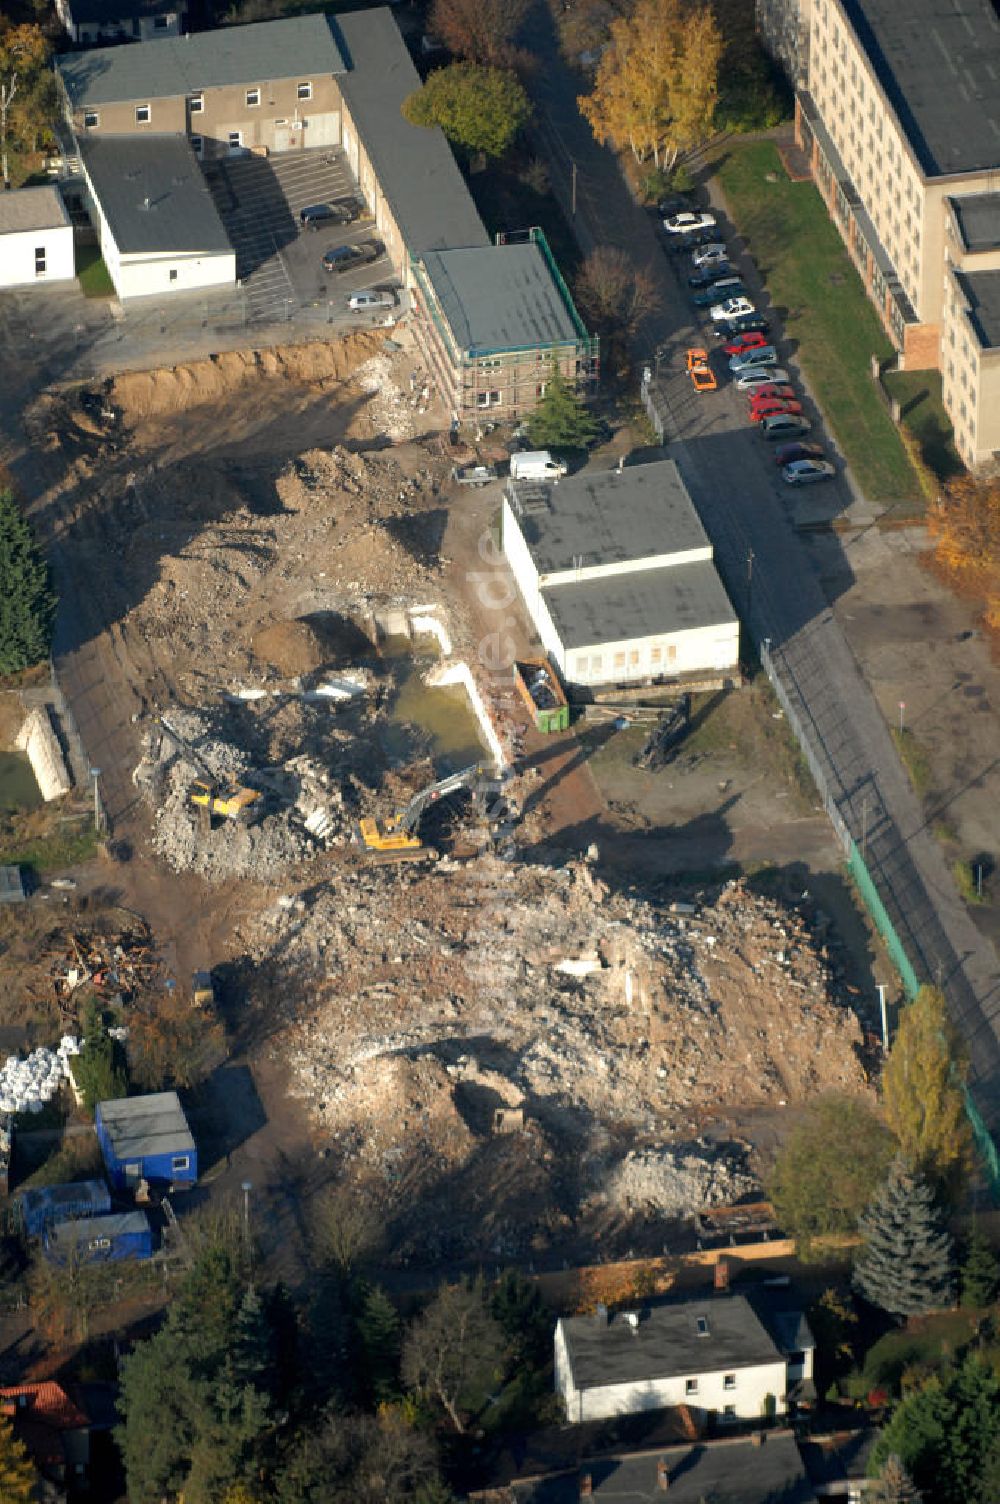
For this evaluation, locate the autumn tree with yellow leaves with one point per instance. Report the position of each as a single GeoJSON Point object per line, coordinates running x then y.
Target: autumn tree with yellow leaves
{"type": "Point", "coordinates": [922, 1091]}
{"type": "Point", "coordinates": [657, 82]}
{"type": "Point", "coordinates": [965, 526]}
{"type": "Point", "coordinates": [17, 1472]}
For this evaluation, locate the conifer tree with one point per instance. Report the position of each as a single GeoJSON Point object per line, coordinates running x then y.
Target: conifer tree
{"type": "Point", "coordinates": [27, 604]}
{"type": "Point", "coordinates": [980, 1271]}
{"type": "Point", "coordinates": [895, 1486]}
{"type": "Point", "coordinates": [906, 1264]}
{"type": "Point", "coordinates": [380, 1335]}
{"type": "Point", "coordinates": [561, 421]}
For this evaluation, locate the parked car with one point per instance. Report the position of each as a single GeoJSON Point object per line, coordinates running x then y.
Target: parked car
{"type": "Point", "coordinates": [805, 472]}
{"type": "Point", "coordinates": [473, 475]}
{"type": "Point", "coordinates": [682, 224]}
{"type": "Point", "coordinates": [343, 257]}
{"type": "Point", "coordinates": [747, 323]}
{"type": "Point", "coordinates": [754, 377]}
{"type": "Point", "coordinates": [769, 407]}
{"type": "Point", "coordinates": [315, 216]}
{"type": "Point", "coordinates": [771, 389]}
{"type": "Point", "coordinates": [710, 254]}
{"type": "Point", "coordinates": [789, 452]}
{"type": "Point", "coordinates": [730, 308]}
{"type": "Point", "coordinates": [360, 302]}
{"type": "Point", "coordinates": [750, 341]}
{"type": "Point", "coordinates": [715, 271]}
{"type": "Point", "coordinates": [783, 426]}
{"type": "Point", "coordinates": [701, 373]}
{"type": "Point", "coordinates": [732, 287]}
{"type": "Point", "coordinates": [760, 355]}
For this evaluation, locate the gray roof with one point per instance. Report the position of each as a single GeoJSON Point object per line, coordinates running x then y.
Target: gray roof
{"type": "Point", "coordinates": [978, 216]}
{"type": "Point", "coordinates": [83, 1230]}
{"type": "Point", "coordinates": [414, 165]}
{"type": "Point", "coordinates": [607, 517]}
{"type": "Point", "coordinates": [73, 1193]}
{"type": "Point", "coordinates": [939, 64]}
{"type": "Point", "coordinates": [153, 194]}
{"type": "Point", "coordinates": [500, 297]}
{"type": "Point", "coordinates": [648, 603]}
{"type": "Point", "coordinates": [303, 47]}
{"type": "Point", "coordinates": [667, 1342]}
{"type": "Point", "coordinates": [725, 1472]}
{"type": "Point", "coordinates": [982, 293]}
{"type": "Point", "coordinates": [38, 208]}
{"type": "Point", "coordinates": [139, 1127]}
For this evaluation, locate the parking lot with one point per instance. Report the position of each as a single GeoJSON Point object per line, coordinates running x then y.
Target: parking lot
{"type": "Point", "coordinates": [279, 263]}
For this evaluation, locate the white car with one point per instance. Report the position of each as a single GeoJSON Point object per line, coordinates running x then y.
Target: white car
{"type": "Point", "coordinates": [683, 224]}
{"type": "Point", "coordinates": [709, 255]}
{"type": "Point", "coordinates": [359, 302]}
{"type": "Point", "coordinates": [730, 309]}
{"type": "Point", "coordinates": [752, 377]}
{"type": "Point", "coordinates": [804, 472]}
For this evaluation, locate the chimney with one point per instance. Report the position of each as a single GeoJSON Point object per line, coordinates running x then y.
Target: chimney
{"type": "Point", "coordinates": [722, 1274]}
{"type": "Point", "coordinates": [662, 1476]}
{"type": "Point", "coordinates": [586, 1485]}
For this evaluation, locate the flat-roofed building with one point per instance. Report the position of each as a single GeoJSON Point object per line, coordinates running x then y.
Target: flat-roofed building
{"type": "Point", "coordinates": [36, 237]}
{"type": "Point", "coordinates": [94, 22]}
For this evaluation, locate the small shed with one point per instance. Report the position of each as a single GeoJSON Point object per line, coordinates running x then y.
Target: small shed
{"type": "Point", "coordinates": [99, 1240]}
{"type": "Point", "coordinates": [36, 238]}
{"type": "Point", "coordinates": [45, 1206]}
{"type": "Point", "coordinates": [146, 1138]}
{"type": "Point", "coordinates": [11, 885]}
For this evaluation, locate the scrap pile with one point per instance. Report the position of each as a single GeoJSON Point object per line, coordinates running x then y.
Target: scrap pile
{"type": "Point", "coordinates": [110, 966]}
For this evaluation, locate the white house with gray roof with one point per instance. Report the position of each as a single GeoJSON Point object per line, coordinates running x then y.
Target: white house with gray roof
{"type": "Point", "coordinates": [617, 576]}
{"type": "Point", "coordinates": [714, 1356]}
{"type": "Point", "coordinates": [36, 238]}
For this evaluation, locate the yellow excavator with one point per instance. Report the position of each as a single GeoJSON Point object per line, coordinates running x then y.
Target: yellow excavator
{"type": "Point", "coordinates": [398, 838]}
{"type": "Point", "coordinates": [227, 801]}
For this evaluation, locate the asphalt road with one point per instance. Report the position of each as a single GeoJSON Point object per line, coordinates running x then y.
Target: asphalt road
{"type": "Point", "coordinates": [750, 516]}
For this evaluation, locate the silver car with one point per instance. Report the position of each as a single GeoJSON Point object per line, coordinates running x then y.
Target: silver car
{"type": "Point", "coordinates": [754, 376]}
{"type": "Point", "coordinates": [783, 426]}
{"type": "Point", "coordinates": [759, 355]}
{"type": "Point", "coordinates": [805, 472]}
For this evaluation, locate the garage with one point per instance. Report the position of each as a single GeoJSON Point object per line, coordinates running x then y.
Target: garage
{"type": "Point", "coordinates": [322, 130]}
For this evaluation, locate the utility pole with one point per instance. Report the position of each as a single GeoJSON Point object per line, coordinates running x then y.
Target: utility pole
{"type": "Point", "coordinates": [95, 774]}
{"type": "Point", "coordinates": [750, 559]}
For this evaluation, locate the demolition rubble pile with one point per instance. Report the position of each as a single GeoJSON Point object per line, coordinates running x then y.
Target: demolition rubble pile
{"type": "Point", "coordinates": [681, 1179]}
{"type": "Point", "coordinates": [550, 993]}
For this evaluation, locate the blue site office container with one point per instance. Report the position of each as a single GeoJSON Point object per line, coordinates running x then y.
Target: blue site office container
{"type": "Point", "coordinates": [46, 1205]}
{"type": "Point", "coordinates": [98, 1240]}
{"type": "Point", "coordinates": [146, 1138]}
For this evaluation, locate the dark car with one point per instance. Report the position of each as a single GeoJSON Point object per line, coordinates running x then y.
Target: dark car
{"type": "Point", "coordinates": [728, 287]}
{"type": "Point", "coordinates": [343, 257]}
{"type": "Point", "coordinates": [789, 452]}
{"type": "Point", "coordinates": [690, 239]}
{"type": "Point", "coordinates": [744, 323]}
{"type": "Point", "coordinates": [314, 216]}
{"type": "Point", "coordinates": [706, 275]}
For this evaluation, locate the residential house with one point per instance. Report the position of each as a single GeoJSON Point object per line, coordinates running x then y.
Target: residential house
{"type": "Point", "coordinates": [717, 1357]}
{"type": "Point", "coordinates": [36, 238]}
{"type": "Point", "coordinates": [617, 576]}
{"type": "Point", "coordinates": [146, 1139]}
{"type": "Point", "coordinates": [54, 1430]}
{"type": "Point", "coordinates": [899, 113]}
{"type": "Point", "coordinates": [93, 22]}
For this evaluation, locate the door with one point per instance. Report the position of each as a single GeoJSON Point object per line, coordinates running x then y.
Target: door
{"type": "Point", "coordinates": [283, 140]}
{"type": "Point", "coordinates": [133, 1174]}
{"type": "Point", "coordinates": [323, 130]}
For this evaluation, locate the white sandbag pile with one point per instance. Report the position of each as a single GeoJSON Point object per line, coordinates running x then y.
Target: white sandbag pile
{"type": "Point", "coordinates": [26, 1085]}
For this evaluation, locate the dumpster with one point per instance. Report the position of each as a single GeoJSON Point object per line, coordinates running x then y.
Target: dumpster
{"type": "Point", "coordinates": [538, 685]}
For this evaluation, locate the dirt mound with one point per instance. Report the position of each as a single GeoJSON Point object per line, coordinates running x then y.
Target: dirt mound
{"type": "Point", "coordinates": [290, 647]}
{"type": "Point", "coordinates": [141, 394]}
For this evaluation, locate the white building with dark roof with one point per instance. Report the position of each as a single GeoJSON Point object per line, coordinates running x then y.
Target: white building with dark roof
{"type": "Point", "coordinates": [91, 22]}
{"type": "Point", "coordinates": [36, 238]}
{"type": "Point", "coordinates": [617, 576]}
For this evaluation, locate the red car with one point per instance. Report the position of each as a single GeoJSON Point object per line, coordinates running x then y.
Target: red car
{"type": "Point", "coordinates": [770, 407]}
{"type": "Point", "coordinates": [751, 341]}
{"type": "Point", "coordinates": [772, 389]}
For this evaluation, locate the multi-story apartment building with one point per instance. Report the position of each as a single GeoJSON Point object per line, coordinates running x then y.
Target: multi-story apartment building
{"type": "Point", "coordinates": [899, 112]}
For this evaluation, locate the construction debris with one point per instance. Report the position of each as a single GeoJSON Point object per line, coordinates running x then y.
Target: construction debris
{"type": "Point", "coordinates": [681, 1180]}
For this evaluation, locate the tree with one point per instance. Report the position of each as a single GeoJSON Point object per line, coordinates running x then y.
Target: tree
{"type": "Point", "coordinates": [895, 1486]}
{"type": "Point", "coordinates": [347, 1229]}
{"type": "Point", "coordinates": [922, 1090]}
{"type": "Point", "coordinates": [965, 526]}
{"type": "Point", "coordinates": [452, 1351]}
{"type": "Point", "coordinates": [380, 1338]}
{"type": "Point", "coordinates": [99, 1070]}
{"type": "Point", "coordinates": [23, 87]}
{"type": "Point", "coordinates": [18, 1478]}
{"type": "Point", "coordinates": [561, 420]}
{"type": "Point", "coordinates": [833, 1322]}
{"type": "Point", "coordinates": [479, 31]}
{"type": "Point", "coordinates": [657, 81]}
{"type": "Point", "coordinates": [828, 1169]}
{"type": "Point", "coordinates": [944, 1433]}
{"type": "Point", "coordinates": [479, 109]}
{"type": "Point", "coordinates": [27, 603]}
{"type": "Point", "coordinates": [615, 295]}
{"type": "Point", "coordinates": [980, 1272]}
{"type": "Point", "coordinates": [360, 1459]}
{"type": "Point", "coordinates": [174, 1044]}
{"type": "Point", "coordinates": [906, 1264]}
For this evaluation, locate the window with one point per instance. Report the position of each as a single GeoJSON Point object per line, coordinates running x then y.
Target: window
{"type": "Point", "coordinates": [541, 389]}
{"type": "Point", "coordinates": [253, 98]}
{"type": "Point", "coordinates": [160, 23]}
{"type": "Point", "coordinates": [729, 1381]}
{"type": "Point", "coordinates": [619, 661]}
{"type": "Point", "coordinates": [304, 91]}
{"type": "Point", "coordinates": [690, 1386]}
{"type": "Point", "coordinates": [487, 399]}
{"type": "Point", "coordinates": [656, 656]}
{"type": "Point", "coordinates": [197, 104]}
{"type": "Point", "coordinates": [142, 114]}
{"type": "Point", "coordinates": [595, 664]}
{"type": "Point", "coordinates": [173, 274]}
{"type": "Point", "coordinates": [90, 119]}
{"type": "Point", "coordinates": [197, 145]}
{"type": "Point", "coordinates": [701, 1325]}
{"type": "Point", "coordinates": [633, 658]}
{"type": "Point", "coordinates": [180, 1162]}
{"type": "Point", "coordinates": [729, 1412]}
{"type": "Point", "coordinates": [235, 140]}
{"type": "Point", "coordinates": [39, 261]}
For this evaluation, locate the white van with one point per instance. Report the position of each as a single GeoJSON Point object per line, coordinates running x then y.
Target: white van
{"type": "Point", "coordinates": [535, 464]}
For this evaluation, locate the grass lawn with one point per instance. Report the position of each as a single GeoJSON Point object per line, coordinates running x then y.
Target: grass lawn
{"type": "Point", "coordinates": [818, 295]}
{"type": "Point", "coordinates": [92, 274]}
{"type": "Point", "coordinates": [922, 411]}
